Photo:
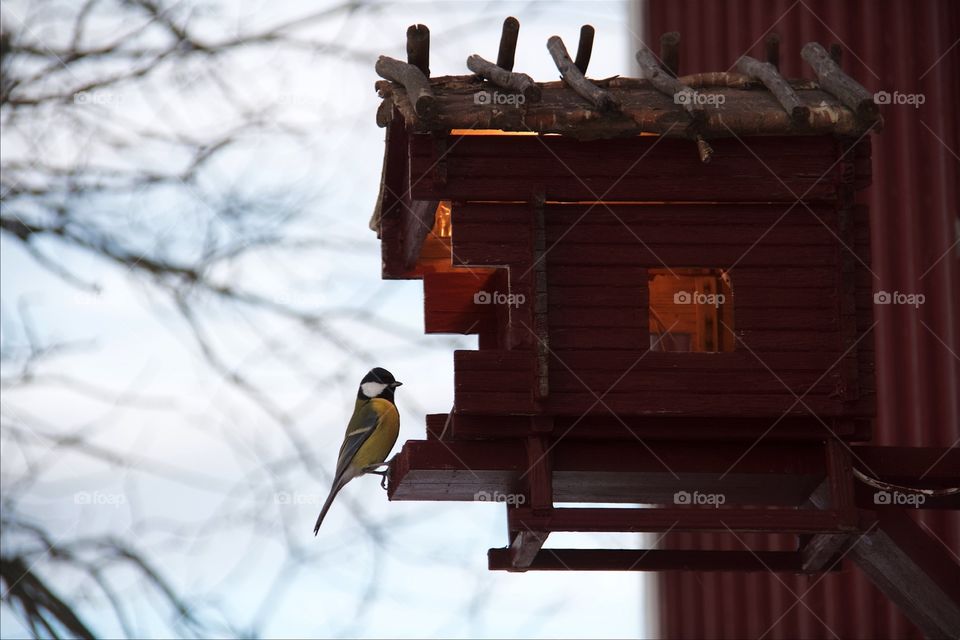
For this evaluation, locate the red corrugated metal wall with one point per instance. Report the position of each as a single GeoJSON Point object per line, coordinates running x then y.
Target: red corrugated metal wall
{"type": "Point", "coordinates": [905, 46]}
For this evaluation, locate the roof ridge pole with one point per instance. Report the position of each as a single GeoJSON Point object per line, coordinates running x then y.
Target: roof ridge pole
{"type": "Point", "coordinates": [834, 81]}
{"type": "Point", "coordinates": [767, 73]}
{"type": "Point", "coordinates": [599, 98]}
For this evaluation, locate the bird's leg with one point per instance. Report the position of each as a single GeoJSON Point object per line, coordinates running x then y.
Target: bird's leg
{"type": "Point", "coordinates": [384, 474]}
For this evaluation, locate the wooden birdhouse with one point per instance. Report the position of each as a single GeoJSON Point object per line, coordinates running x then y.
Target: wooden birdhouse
{"type": "Point", "coordinates": [669, 280]}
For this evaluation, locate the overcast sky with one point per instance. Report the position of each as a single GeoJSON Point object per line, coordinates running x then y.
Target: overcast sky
{"type": "Point", "coordinates": [433, 578]}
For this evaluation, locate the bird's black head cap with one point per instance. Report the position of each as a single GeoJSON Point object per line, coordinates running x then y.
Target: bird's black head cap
{"type": "Point", "coordinates": [378, 383]}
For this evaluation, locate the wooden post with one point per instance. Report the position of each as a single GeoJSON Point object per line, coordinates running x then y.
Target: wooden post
{"type": "Point", "coordinates": [526, 543]}
{"type": "Point", "coordinates": [772, 47]}
{"type": "Point", "coordinates": [584, 48]}
{"type": "Point", "coordinates": [508, 43]}
{"type": "Point", "coordinates": [670, 52]}
{"type": "Point", "coordinates": [540, 308]}
{"type": "Point", "coordinates": [599, 98]}
{"type": "Point", "coordinates": [835, 82]}
{"type": "Point", "coordinates": [836, 53]}
{"type": "Point", "coordinates": [418, 47]}
{"type": "Point", "coordinates": [767, 73]}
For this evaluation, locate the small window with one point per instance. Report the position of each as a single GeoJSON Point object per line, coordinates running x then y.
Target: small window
{"type": "Point", "coordinates": [691, 310]}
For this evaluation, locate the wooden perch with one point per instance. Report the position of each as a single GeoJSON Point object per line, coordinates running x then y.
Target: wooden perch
{"type": "Point", "coordinates": [772, 47]}
{"type": "Point", "coordinates": [670, 52]}
{"type": "Point", "coordinates": [599, 98]}
{"type": "Point", "coordinates": [584, 48]}
{"type": "Point", "coordinates": [418, 47]}
{"type": "Point", "coordinates": [778, 86]}
{"type": "Point", "coordinates": [508, 43]}
{"type": "Point", "coordinates": [834, 81]}
{"type": "Point", "coordinates": [517, 82]}
{"type": "Point", "coordinates": [664, 83]}
{"type": "Point", "coordinates": [413, 80]}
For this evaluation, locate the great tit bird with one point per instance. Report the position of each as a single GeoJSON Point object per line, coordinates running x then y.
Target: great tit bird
{"type": "Point", "coordinates": [371, 433]}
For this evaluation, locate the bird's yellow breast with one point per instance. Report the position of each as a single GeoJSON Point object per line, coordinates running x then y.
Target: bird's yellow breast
{"type": "Point", "coordinates": [379, 444]}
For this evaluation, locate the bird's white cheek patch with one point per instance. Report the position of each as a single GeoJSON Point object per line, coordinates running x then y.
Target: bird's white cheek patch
{"type": "Point", "coordinates": [372, 389]}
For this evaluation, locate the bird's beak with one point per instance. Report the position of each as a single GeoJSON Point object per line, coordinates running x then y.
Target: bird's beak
{"type": "Point", "coordinates": [396, 384]}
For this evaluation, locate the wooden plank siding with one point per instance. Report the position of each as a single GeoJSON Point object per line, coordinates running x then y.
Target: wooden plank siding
{"type": "Point", "coordinates": [802, 293]}
{"type": "Point", "coordinates": [785, 288]}
{"type": "Point", "coordinates": [646, 168]}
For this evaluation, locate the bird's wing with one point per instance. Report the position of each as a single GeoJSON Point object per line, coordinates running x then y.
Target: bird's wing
{"type": "Point", "coordinates": [362, 424]}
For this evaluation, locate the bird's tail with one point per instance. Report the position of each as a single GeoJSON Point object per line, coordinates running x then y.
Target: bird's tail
{"type": "Point", "coordinates": [334, 490]}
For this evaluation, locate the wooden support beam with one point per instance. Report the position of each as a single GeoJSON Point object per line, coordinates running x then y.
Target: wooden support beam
{"type": "Point", "coordinates": [413, 80]}
{"type": "Point", "coordinates": [677, 519]}
{"type": "Point", "coordinates": [668, 85]}
{"type": "Point", "coordinates": [584, 48]}
{"type": "Point", "coordinates": [541, 322]}
{"type": "Point", "coordinates": [767, 73]}
{"type": "Point", "coordinates": [822, 549]}
{"type": "Point", "coordinates": [840, 482]}
{"type": "Point", "coordinates": [508, 43]}
{"type": "Point", "coordinates": [912, 568]}
{"type": "Point", "coordinates": [774, 473]}
{"type": "Point", "coordinates": [524, 548]}
{"type": "Point", "coordinates": [651, 560]}
{"type": "Point", "coordinates": [833, 80]}
{"type": "Point", "coordinates": [418, 47]}
{"type": "Point", "coordinates": [771, 46]}
{"type": "Point", "coordinates": [670, 52]}
{"type": "Point", "coordinates": [539, 474]}
{"type": "Point", "coordinates": [599, 98]}
{"type": "Point", "coordinates": [915, 571]}
{"type": "Point", "coordinates": [512, 81]}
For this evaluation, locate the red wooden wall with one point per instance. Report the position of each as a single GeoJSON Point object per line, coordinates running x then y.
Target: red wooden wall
{"type": "Point", "coordinates": [900, 45]}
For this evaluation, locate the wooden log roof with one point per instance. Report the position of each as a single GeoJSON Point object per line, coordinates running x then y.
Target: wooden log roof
{"type": "Point", "coordinates": [754, 101]}
{"type": "Point", "coordinates": [748, 111]}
